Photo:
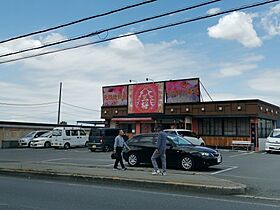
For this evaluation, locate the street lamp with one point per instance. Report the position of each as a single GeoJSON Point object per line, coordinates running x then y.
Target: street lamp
{"type": "Point", "coordinates": [131, 80]}
{"type": "Point", "coordinates": [149, 79]}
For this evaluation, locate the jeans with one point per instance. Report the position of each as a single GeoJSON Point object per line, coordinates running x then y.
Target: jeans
{"type": "Point", "coordinates": [162, 156]}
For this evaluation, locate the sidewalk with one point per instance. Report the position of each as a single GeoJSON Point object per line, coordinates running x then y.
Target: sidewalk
{"type": "Point", "coordinates": [139, 177]}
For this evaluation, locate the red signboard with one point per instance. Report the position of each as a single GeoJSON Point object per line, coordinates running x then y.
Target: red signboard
{"type": "Point", "coordinates": [146, 98]}
{"type": "Point", "coordinates": [115, 96]}
{"type": "Point", "coordinates": [182, 91]}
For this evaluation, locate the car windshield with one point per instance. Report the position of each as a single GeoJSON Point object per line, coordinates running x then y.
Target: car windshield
{"type": "Point", "coordinates": [186, 133]}
{"type": "Point", "coordinates": [179, 141]}
{"type": "Point", "coordinates": [31, 134]}
{"type": "Point", "coordinates": [46, 134]}
{"type": "Point", "coordinates": [275, 134]}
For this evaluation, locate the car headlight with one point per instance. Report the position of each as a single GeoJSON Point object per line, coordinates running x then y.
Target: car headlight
{"type": "Point", "coordinates": [206, 154]}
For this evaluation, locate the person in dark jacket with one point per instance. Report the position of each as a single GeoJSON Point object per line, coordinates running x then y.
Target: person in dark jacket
{"type": "Point", "coordinates": [118, 147]}
{"type": "Point", "coordinates": [160, 153]}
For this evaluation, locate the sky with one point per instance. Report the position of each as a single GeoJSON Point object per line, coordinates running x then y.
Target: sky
{"type": "Point", "coordinates": [235, 55]}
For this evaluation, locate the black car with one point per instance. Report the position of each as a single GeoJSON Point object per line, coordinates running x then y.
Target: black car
{"type": "Point", "coordinates": [102, 139]}
{"type": "Point", "coordinates": [179, 152]}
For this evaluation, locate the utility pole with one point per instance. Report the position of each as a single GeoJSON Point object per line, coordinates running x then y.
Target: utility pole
{"type": "Point", "coordinates": [59, 103]}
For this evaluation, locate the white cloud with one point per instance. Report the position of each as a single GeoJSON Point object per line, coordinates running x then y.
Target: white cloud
{"type": "Point", "coordinates": [230, 70]}
{"type": "Point", "coordinates": [271, 21]}
{"type": "Point", "coordinates": [85, 70]}
{"type": "Point", "coordinates": [239, 67]}
{"type": "Point", "coordinates": [266, 81]}
{"type": "Point", "coordinates": [127, 43]}
{"type": "Point", "coordinates": [236, 26]}
{"type": "Point", "coordinates": [213, 11]}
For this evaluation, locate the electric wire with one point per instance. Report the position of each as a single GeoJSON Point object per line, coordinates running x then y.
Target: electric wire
{"type": "Point", "coordinates": [67, 104]}
{"type": "Point", "coordinates": [110, 29]}
{"type": "Point", "coordinates": [23, 105]}
{"type": "Point", "coordinates": [206, 91]}
{"type": "Point", "coordinates": [78, 21]}
{"type": "Point", "coordinates": [145, 31]}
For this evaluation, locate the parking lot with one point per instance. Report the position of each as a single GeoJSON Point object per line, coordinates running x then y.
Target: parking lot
{"type": "Point", "coordinates": [259, 171]}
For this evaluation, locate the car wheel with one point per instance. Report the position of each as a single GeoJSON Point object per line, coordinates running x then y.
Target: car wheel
{"type": "Point", "coordinates": [106, 148]}
{"type": "Point", "coordinates": [47, 144]}
{"type": "Point", "coordinates": [187, 163]}
{"type": "Point", "coordinates": [202, 144]}
{"type": "Point", "coordinates": [29, 144]}
{"type": "Point", "coordinates": [66, 146]}
{"type": "Point", "coordinates": [133, 159]}
{"type": "Point", "coordinates": [92, 150]}
{"type": "Point", "coordinates": [269, 151]}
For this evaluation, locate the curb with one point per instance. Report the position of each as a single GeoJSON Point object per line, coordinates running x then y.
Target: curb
{"type": "Point", "coordinates": [119, 181]}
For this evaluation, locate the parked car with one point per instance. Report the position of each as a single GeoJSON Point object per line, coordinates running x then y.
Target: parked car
{"type": "Point", "coordinates": [43, 141]}
{"type": "Point", "coordinates": [66, 137]}
{"type": "Point", "coordinates": [26, 140]}
{"type": "Point", "coordinates": [179, 152]}
{"type": "Point", "coordinates": [187, 134]}
{"type": "Point", "coordinates": [272, 143]}
{"type": "Point", "coordinates": [102, 139]}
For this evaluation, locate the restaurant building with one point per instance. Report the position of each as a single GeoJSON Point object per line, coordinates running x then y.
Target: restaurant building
{"type": "Point", "coordinates": [139, 108]}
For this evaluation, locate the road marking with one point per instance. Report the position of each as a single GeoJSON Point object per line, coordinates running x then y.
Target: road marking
{"type": "Point", "coordinates": [247, 153]}
{"type": "Point", "coordinates": [50, 160]}
{"type": "Point", "coordinates": [222, 171]}
{"type": "Point", "coordinates": [258, 197]}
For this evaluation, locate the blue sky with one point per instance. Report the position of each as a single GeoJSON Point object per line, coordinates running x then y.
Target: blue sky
{"type": "Point", "coordinates": [236, 56]}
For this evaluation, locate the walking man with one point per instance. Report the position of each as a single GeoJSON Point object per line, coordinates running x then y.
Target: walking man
{"type": "Point", "coordinates": [160, 153]}
{"type": "Point", "coordinates": [118, 147]}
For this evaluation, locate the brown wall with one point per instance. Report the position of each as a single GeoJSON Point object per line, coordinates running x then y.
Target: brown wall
{"type": "Point", "coordinates": [222, 141]}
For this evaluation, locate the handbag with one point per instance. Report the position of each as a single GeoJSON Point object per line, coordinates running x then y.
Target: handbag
{"type": "Point", "coordinates": [114, 155]}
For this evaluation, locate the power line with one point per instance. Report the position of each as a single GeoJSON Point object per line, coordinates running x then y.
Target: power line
{"type": "Point", "coordinates": [78, 21]}
{"type": "Point", "coordinates": [206, 91]}
{"type": "Point", "coordinates": [145, 31]}
{"type": "Point", "coordinates": [40, 104]}
{"type": "Point", "coordinates": [110, 29]}
{"type": "Point", "coordinates": [80, 107]}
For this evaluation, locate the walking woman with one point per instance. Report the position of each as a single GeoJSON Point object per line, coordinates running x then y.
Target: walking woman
{"type": "Point", "coordinates": [118, 147]}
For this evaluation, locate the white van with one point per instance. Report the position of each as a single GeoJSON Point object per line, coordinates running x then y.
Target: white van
{"type": "Point", "coordinates": [187, 134]}
{"type": "Point", "coordinates": [66, 137]}
{"type": "Point", "coordinates": [272, 143]}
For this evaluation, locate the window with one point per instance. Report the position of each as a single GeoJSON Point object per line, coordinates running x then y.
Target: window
{"type": "Point", "coordinates": [146, 140]}
{"type": "Point", "coordinates": [74, 132]}
{"type": "Point", "coordinates": [275, 134]}
{"type": "Point", "coordinates": [230, 127]}
{"type": "Point", "coordinates": [111, 132]}
{"type": "Point", "coordinates": [56, 132]}
{"type": "Point", "coordinates": [67, 132]}
{"type": "Point", "coordinates": [265, 127]}
{"type": "Point", "coordinates": [243, 127]}
{"type": "Point", "coordinates": [82, 133]}
{"type": "Point", "coordinates": [224, 126]}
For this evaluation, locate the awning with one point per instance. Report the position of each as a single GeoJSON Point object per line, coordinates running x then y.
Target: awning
{"type": "Point", "coordinates": [133, 119]}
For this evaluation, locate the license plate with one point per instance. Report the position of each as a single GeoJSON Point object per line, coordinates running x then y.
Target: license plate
{"type": "Point", "coordinates": [93, 146]}
{"type": "Point", "coordinates": [219, 159]}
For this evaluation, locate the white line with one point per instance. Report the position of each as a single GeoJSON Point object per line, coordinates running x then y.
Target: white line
{"type": "Point", "coordinates": [247, 153]}
{"type": "Point", "coordinates": [222, 171]}
{"type": "Point", "coordinates": [258, 197]}
{"type": "Point", "coordinates": [50, 160]}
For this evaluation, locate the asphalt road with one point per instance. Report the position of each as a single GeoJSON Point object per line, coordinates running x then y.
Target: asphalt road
{"type": "Point", "coordinates": [35, 194]}
{"type": "Point", "coordinates": [259, 171]}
